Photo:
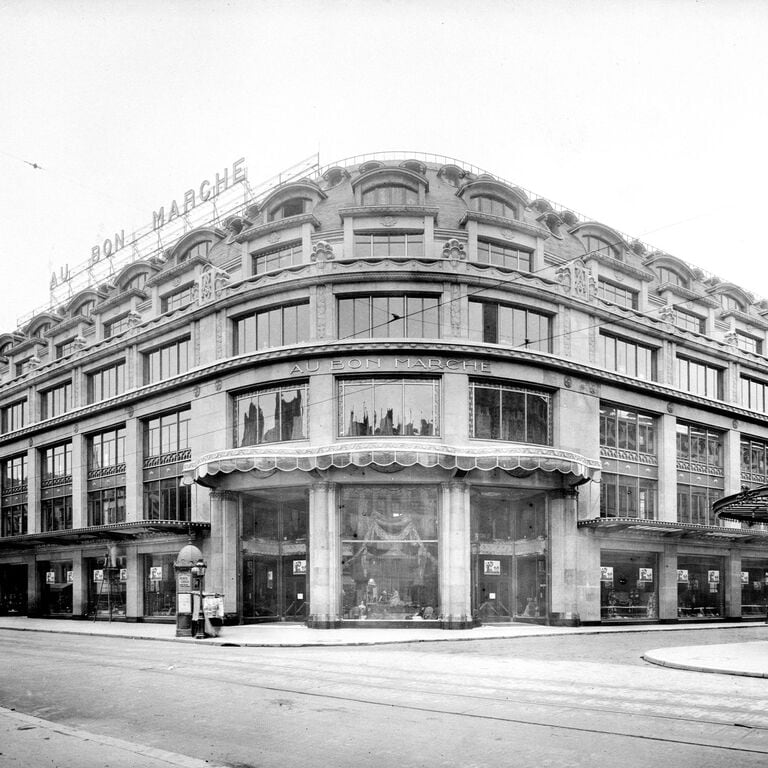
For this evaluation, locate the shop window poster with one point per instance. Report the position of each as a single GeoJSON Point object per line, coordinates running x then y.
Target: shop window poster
{"type": "Point", "coordinates": [50, 577]}
{"type": "Point", "coordinates": [714, 577]}
{"type": "Point", "coordinates": [492, 567]}
{"type": "Point", "coordinates": [98, 575]}
{"type": "Point", "coordinates": [299, 567]}
{"type": "Point", "coordinates": [682, 576]}
{"type": "Point", "coordinates": [123, 574]}
{"type": "Point", "coordinates": [156, 573]}
{"type": "Point", "coordinates": [745, 577]}
{"type": "Point", "coordinates": [70, 577]}
{"type": "Point", "coordinates": [645, 574]}
{"type": "Point", "coordinates": [606, 573]}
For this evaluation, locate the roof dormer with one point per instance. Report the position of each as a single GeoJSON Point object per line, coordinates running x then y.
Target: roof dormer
{"type": "Point", "coordinates": [388, 186]}
{"type": "Point", "coordinates": [494, 198]}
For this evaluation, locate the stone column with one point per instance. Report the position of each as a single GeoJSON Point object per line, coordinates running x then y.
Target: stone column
{"type": "Point", "coordinates": [80, 576]}
{"type": "Point", "coordinates": [134, 475]}
{"type": "Point", "coordinates": [733, 584]}
{"type": "Point", "coordinates": [668, 469]}
{"type": "Point", "coordinates": [324, 557]}
{"type": "Point", "coordinates": [562, 542]}
{"type": "Point", "coordinates": [667, 596]}
{"type": "Point", "coordinates": [223, 558]}
{"type": "Point", "coordinates": [34, 479]}
{"type": "Point", "coordinates": [79, 482]}
{"type": "Point", "coordinates": [134, 592]}
{"type": "Point", "coordinates": [454, 557]}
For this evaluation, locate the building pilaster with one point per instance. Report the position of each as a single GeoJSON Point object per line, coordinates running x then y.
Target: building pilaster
{"type": "Point", "coordinates": [324, 557]}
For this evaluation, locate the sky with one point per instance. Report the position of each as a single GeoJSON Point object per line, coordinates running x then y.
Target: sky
{"type": "Point", "coordinates": [648, 116]}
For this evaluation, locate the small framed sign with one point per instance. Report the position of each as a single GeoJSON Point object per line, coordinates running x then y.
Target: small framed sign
{"type": "Point", "coordinates": [682, 576]}
{"type": "Point", "coordinates": [123, 574]}
{"type": "Point", "coordinates": [606, 573]}
{"type": "Point", "coordinates": [50, 577]}
{"type": "Point", "coordinates": [492, 567]}
{"type": "Point", "coordinates": [98, 574]}
{"type": "Point", "coordinates": [299, 567]}
{"type": "Point", "coordinates": [156, 573]}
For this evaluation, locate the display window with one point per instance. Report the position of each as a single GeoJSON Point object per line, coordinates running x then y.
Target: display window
{"type": "Point", "coordinates": [628, 586]}
{"type": "Point", "coordinates": [509, 564]}
{"type": "Point", "coordinates": [13, 590]}
{"type": "Point", "coordinates": [56, 593]}
{"type": "Point", "coordinates": [106, 587]}
{"type": "Point", "coordinates": [389, 552]}
{"type": "Point", "coordinates": [700, 587]}
{"type": "Point", "coordinates": [754, 588]}
{"type": "Point", "coordinates": [159, 579]}
{"type": "Point", "coordinates": [274, 538]}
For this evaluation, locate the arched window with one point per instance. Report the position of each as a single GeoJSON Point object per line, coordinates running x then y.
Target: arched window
{"type": "Point", "coordinates": [728, 302]}
{"type": "Point", "coordinates": [85, 309]}
{"type": "Point", "coordinates": [494, 206]}
{"type": "Point", "coordinates": [5, 347]}
{"type": "Point", "coordinates": [41, 329]}
{"type": "Point", "coordinates": [667, 275]}
{"type": "Point", "coordinates": [137, 282]}
{"type": "Point", "coordinates": [199, 250]}
{"type": "Point", "coordinates": [293, 207]}
{"type": "Point", "coordinates": [596, 246]}
{"type": "Point", "coordinates": [390, 194]}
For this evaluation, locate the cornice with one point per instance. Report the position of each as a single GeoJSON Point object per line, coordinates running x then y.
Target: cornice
{"type": "Point", "coordinates": [178, 269]}
{"type": "Point", "coordinates": [119, 298]}
{"type": "Point", "coordinates": [745, 317]}
{"type": "Point", "coordinates": [71, 322]}
{"type": "Point", "coordinates": [388, 210]}
{"type": "Point", "coordinates": [502, 221]}
{"type": "Point", "coordinates": [687, 294]}
{"type": "Point", "coordinates": [27, 344]}
{"type": "Point", "coordinates": [259, 230]}
{"type": "Point", "coordinates": [619, 266]}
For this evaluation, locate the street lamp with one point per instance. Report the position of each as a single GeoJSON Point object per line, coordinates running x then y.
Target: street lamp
{"type": "Point", "coordinates": [198, 571]}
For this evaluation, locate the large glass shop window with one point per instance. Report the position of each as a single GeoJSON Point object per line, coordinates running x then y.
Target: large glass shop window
{"type": "Point", "coordinates": [389, 407]}
{"type": "Point", "coordinates": [56, 592]}
{"type": "Point", "coordinates": [502, 412]}
{"type": "Point", "coordinates": [389, 552]}
{"type": "Point", "coordinates": [628, 586]}
{"type": "Point", "coordinates": [274, 536]}
{"type": "Point", "coordinates": [754, 588]}
{"type": "Point", "coordinates": [106, 587]}
{"type": "Point", "coordinates": [271, 415]}
{"type": "Point", "coordinates": [700, 587]}
{"type": "Point", "coordinates": [160, 586]}
{"type": "Point", "coordinates": [509, 551]}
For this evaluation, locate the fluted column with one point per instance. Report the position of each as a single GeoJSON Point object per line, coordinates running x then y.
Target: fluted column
{"type": "Point", "coordinates": [324, 557]}
{"type": "Point", "coordinates": [221, 575]}
{"type": "Point", "coordinates": [454, 556]}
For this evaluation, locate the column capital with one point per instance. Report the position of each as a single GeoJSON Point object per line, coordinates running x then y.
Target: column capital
{"type": "Point", "coordinates": [224, 496]}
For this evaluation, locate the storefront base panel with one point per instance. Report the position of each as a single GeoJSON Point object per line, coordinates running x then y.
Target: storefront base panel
{"type": "Point", "coordinates": [394, 624]}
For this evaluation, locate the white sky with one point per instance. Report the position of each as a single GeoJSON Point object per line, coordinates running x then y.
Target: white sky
{"type": "Point", "coordinates": [649, 116]}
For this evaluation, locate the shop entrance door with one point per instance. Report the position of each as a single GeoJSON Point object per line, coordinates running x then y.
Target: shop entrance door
{"type": "Point", "coordinates": [274, 564]}
{"type": "Point", "coordinates": [13, 590]}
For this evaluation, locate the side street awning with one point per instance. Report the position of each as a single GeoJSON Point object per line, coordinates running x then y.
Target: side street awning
{"type": "Point", "coordinates": [107, 533]}
{"type": "Point", "coordinates": [662, 528]}
{"type": "Point", "coordinates": [517, 459]}
{"type": "Point", "coordinates": [750, 506]}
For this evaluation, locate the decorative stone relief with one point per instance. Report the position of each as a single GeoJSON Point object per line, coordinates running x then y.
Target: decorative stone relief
{"type": "Point", "coordinates": [321, 252]}
{"type": "Point", "coordinates": [455, 309]}
{"type": "Point", "coordinates": [731, 338]}
{"type": "Point", "coordinates": [566, 314]}
{"type": "Point", "coordinates": [388, 221]}
{"type": "Point", "coordinates": [129, 411]}
{"type": "Point", "coordinates": [274, 237]}
{"type": "Point", "coordinates": [670, 408]}
{"type": "Point", "coordinates": [197, 390]}
{"type": "Point", "coordinates": [321, 300]}
{"type": "Point", "coordinates": [218, 385]}
{"type": "Point", "coordinates": [219, 331]}
{"type": "Point", "coordinates": [576, 280]}
{"type": "Point", "coordinates": [196, 343]}
{"type": "Point", "coordinates": [593, 344]}
{"type": "Point", "coordinates": [454, 250]}
{"type": "Point", "coordinates": [209, 285]}
{"type": "Point", "coordinates": [668, 314]}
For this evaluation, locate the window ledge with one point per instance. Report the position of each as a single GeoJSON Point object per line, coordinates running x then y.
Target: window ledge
{"type": "Point", "coordinates": [277, 226]}
{"type": "Point", "coordinates": [515, 225]}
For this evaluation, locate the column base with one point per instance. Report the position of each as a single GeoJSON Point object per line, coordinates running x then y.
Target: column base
{"type": "Point", "coordinates": [316, 622]}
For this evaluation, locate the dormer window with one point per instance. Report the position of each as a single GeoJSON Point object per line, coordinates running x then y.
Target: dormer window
{"type": "Point", "coordinates": [4, 348]}
{"type": "Point", "coordinates": [728, 303]}
{"type": "Point", "coordinates": [137, 282]}
{"type": "Point", "coordinates": [390, 194]}
{"type": "Point", "coordinates": [293, 207]}
{"type": "Point", "coordinates": [596, 246]}
{"type": "Point", "coordinates": [85, 309]}
{"type": "Point", "coordinates": [494, 206]}
{"type": "Point", "coordinates": [196, 251]}
{"type": "Point", "coordinates": [41, 330]}
{"type": "Point", "coordinates": [667, 275]}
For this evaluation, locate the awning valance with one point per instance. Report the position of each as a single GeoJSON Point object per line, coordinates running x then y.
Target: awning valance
{"type": "Point", "coordinates": [667, 529]}
{"type": "Point", "coordinates": [513, 458]}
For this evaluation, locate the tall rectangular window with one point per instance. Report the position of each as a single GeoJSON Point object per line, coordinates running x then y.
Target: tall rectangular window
{"type": "Point", "coordinates": [628, 357]}
{"type": "Point", "coordinates": [508, 325]}
{"type": "Point", "coordinates": [506, 412]}
{"type": "Point", "coordinates": [503, 255]}
{"type": "Point", "coordinates": [167, 434]}
{"type": "Point", "coordinates": [13, 416]}
{"type": "Point", "coordinates": [55, 401]}
{"type": "Point", "coordinates": [700, 474]}
{"type": "Point", "coordinates": [56, 487]}
{"type": "Point", "coordinates": [271, 414]}
{"type": "Point", "coordinates": [65, 348]}
{"type": "Point", "coordinates": [397, 316]}
{"type": "Point", "coordinates": [689, 322]}
{"type": "Point", "coordinates": [389, 245]}
{"type": "Point", "coordinates": [279, 257]}
{"type": "Point", "coordinates": [754, 462]}
{"type": "Point", "coordinates": [628, 451]}
{"type": "Point", "coordinates": [389, 407]}
{"type": "Point", "coordinates": [166, 361]}
{"type": "Point", "coordinates": [105, 383]}
{"type": "Point", "coordinates": [117, 326]}
{"type": "Point", "coordinates": [617, 294]}
{"type": "Point", "coordinates": [749, 343]}
{"type": "Point", "coordinates": [106, 506]}
{"type": "Point", "coordinates": [276, 327]}
{"type": "Point", "coordinates": [177, 300]}
{"type": "Point", "coordinates": [699, 378]}
{"type": "Point", "coordinates": [106, 449]}
{"type": "Point", "coordinates": [754, 394]}
{"type": "Point", "coordinates": [13, 496]}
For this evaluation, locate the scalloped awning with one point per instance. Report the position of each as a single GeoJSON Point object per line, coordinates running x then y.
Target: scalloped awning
{"type": "Point", "coordinates": [514, 458]}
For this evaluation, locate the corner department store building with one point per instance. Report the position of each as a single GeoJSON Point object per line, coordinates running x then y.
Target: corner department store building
{"type": "Point", "coordinates": [397, 389]}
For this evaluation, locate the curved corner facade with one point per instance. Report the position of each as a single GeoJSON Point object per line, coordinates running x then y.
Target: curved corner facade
{"type": "Point", "coordinates": [397, 390]}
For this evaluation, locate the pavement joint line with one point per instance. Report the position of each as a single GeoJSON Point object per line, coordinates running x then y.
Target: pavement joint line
{"type": "Point", "coordinates": [172, 758]}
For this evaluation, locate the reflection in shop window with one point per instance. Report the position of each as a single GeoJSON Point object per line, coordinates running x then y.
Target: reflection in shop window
{"type": "Point", "coordinates": [271, 415]}
{"type": "Point", "coordinates": [516, 414]}
{"type": "Point", "coordinates": [159, 585]}
{"type": "Point", "coordinates": [389, 407]}
{"type": "Point", "coordinates": [754, 587]}
{"type": "Point", "coordinates": [700, 588]}
{"type": "Point", "coordinates": [389, 552]}
{"type": "Point", "coordinates": [628, 586]}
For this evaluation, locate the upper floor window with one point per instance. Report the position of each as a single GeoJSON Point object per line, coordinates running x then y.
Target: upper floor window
{"type": "Point", "coordinates": [23, 366]}
{"type": "Point", "coordinates": [199, 250]}
{"type": "Point", "coordinates": [400, 316]}
{"type": "Point", "coordinates": [105, 383]}
{"type": "Point", "coordinates": [728, 302]}
{"type": "Point", "coordinates": [106, 449]}
{"type": "Point", "coordinates": [293, 207]}
{"type": "Point", "coordinates": [502, 255]}
{"type": "Point", "coordinates": [114, 327]}
{"type": "Point", "coordinates": [41, 330]}
{"type": "Point", "coordinates": [65, 348]}
{"type": "Point", "coordinates": [627, 430]}
{"type": "Point", "coordinates": [86, 308]}
{"type": "Point", "coordinates": [390, 194]}
{"type": "Point", "coordinates": [617, 294]}
{"type": "Point", "coordinates": [689, 322]}
{"type": "Point", "coordinates": [701, 446]}
{"type": "Point", "coordinates": [700, 473]}
{"type": "Point", "coordinates": [275, 327]}
{"type": "Point", "coordinates": [279, 257]}
{"type": "Point", "coordinates": [166, 361]}
{"type": "Point", "coordinates": [137, 282]}
{"type": "Point", "coordinates": [628, 357]}
{"type": "Point", "coordinates": [597, 246]}
{"type": "Point", "coordinates": [167, 434]}
{"type": "Point", "coordinates": [14, 474]}
{"type": "Point", "coordinates": [13, 416]}
{"type": "Point", "coordinates": [699, 378]}
{"type": "Point", "coordinates": [749, 343]}
{"type": "Point", "coordinates": [4, 348]}
{"type": "Point", "coordinates": [494, 206]}
{"type": "Point", "coordinates": [56, 401]}
{"type": "Point", "coordinates": [389, 407]}
{"type": "Point", "coordinates": [667, 275]}
{"type": "Point", "coordinates": [57, 462]}
{"type": "Point", "coordinates": [506, 412]}
{"type": "Point", "coordinates": [514, 326]}
{"type": "Point", "coordinates": [177, 299]}
{"type": "Point", "coordinates": [754, 394]}
{"type": "Point", "coordinates": [389, 245]}
{"type": "Point", "coordinates": [754, 462]}
{"type": "Point", "coordinates": [271, 415]}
